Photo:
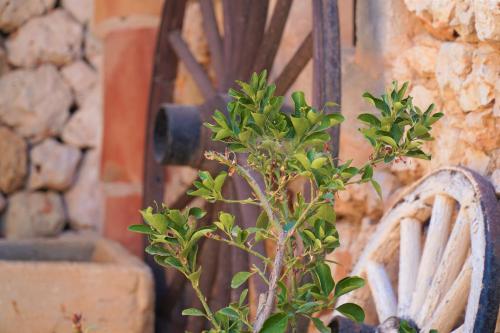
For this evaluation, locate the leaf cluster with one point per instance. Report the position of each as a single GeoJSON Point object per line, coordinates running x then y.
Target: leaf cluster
{"type": "Point", "coordinates": [282, 146]}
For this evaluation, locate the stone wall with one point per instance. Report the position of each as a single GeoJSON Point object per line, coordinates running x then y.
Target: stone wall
{"type": "Point", "coordinates": [50, 118]}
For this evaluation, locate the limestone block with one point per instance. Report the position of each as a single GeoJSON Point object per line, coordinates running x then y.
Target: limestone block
{"type": "Point", "coordinates": [478, 128]}
{"type": "Point", "coordinates": [13, 13]}
{"type": "Point", "coordinates": [34, 214]}
{"type": "Point", "coordinates": [53, 165]}
{"type": "Point", "coordinates": [81, 78]}
{"type": "Point", "coordinates": [453, 64]}
{"type": "Point", "coordinates": [422, 97]}
{"type": "Point", "coordinates": [54, 38]}
{"type": "Point", "coordinates": [13, 160]}
{"type": "Point", "coordinates": [443, 18]}
{"type": "Point", "coordinates": [84, 128]}
{"type": "Point", "coordinates": [423, 60]}
{"type": "Point", "coordinates": [83, 200]}
{"type": "Point", "coordinates": [478, 89]}
{"type": "Point", "coordinates": [45, 282]}
{"type": "Point", "coordinates": [80, 9]}
{"type": "Point", "coordinates": [496, 106]}
{"type": "Point", "coordinates": [36, 103]}
{"type": "Point", "coordinates": [93, 49]}
{"type": "Point", "coordinates": [476, 160]}
{"type": "Point", "coordinates": [487, 19]}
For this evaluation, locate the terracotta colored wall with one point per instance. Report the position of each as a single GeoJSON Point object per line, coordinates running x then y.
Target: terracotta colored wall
{"type": "Point", "coordinates": [128, 29]}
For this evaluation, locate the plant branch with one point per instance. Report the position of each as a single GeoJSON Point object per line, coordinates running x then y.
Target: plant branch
{"type": "Point", "coordinates": [267, 308]}
{"type": "Point", "coordinates": [264, 203]}
{"type": "Point", "coordinates": [242, 247]}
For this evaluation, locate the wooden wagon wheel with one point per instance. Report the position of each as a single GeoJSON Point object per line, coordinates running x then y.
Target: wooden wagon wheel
{"type": "Point", "coordinates": [451, 282]}
{"type": "Point", "coordinates": [175, 135]}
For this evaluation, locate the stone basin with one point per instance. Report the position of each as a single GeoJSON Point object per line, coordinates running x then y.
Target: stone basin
{"type": "Point", "coordinates": [44, 282]}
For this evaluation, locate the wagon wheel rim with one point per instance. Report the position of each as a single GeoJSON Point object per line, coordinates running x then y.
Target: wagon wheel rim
{"type": "Point", "coordinates": [459, 256]}
{"type": "Point", "coordinates": [231, 61]}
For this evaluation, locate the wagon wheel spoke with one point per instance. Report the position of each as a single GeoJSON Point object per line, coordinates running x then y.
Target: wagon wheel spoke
{"type": "Point", "coordinates": [381, 289]}
{"type": "Point", "coordinates": [235, 18]}
{"type": "Point", "coordinates": [437, 234]}
{"type": "Point", "coordinates": [453, 259]}
{"type": "Point", "coordinates": [272, 37]}
{"type": "Point", "coordinates": [197, 71]}
{"type": "Point", "coordinates": [213, 37]}
{"type": "Point", "coordinates": [295, 66]}
{"type": "Point", "coordinates": [453, 304]}
{"type": "Point", "coordinates": [409, 259]}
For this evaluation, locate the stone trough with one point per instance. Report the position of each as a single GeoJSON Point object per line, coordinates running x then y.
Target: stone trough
{"type": "Point", "coordinates": [44, 282]}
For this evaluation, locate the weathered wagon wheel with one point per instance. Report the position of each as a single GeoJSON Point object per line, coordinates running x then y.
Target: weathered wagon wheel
{"type": "Point", "coordinates": [449, 284]}
{"type": "Point", "coordinates": [175, 135]}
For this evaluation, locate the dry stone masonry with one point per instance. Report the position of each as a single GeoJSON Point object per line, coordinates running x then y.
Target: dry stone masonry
{"type": "Point", "coordinates": [50, 118]}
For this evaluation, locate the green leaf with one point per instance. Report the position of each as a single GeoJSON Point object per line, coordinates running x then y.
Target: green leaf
{"type": "Point", "coordinates": [240, 278]}
{"type": "Point", "coordinates": [196, 212]}
{"type": "Point", "coordinates": [219, 181]}
{"type": "Point", "coordinates": [156, 221]}
{"type": "Point", "coordinates": [335, 118]}
{"type": "Point", "coordinates": [156, 249]}
{"type": "Point", "coordinates": [318, 162]}
{"type": "Point", "coordinates": [302, 158]}
{"type": "Point", "coordinates": [326, 212]}
{"type": "Point", "coordinates": [320, 326]}
{"type": "Point", "coordinates": [243, 296]}
{"type": "Point", "coordinates": [390, 141]}
{"type": "Point", "coordinates": [227, 220]}
{"type": "Point", "coordinates": [352, 311]}
{"type": "Point", "coordinates": [300, 125]}
{"type": "Point", "coordinates": [229, 312]}
{"type": "Point", "coordinates": [299, 101]}
{"type": "Point", "coordinates": [370, 119]}
{"type": "Point", "coordinates": [348, 284]}
{"type": "Point", "coordinates": [262, 220]}
{"type": "Point", "coordinates": [277, 323]}
{"type": "Point", "coordinates": [325, 278]}
{"type": "Point", "coordinates": [420, 130]}
{"type": "Point", "coordinates": [317, 137]}
{"type": "Point", "coordinates": [141, 229]}
{"type": "Point", "coordinates": [377, 188]}
{"type": "Point", "coordinates": [193, 312]}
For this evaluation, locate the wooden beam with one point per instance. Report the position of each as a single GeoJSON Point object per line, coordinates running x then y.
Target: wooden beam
{"type": "Point", "coordinates": [214, 39]}
{"type": "Point", "coordinates": [409, 258]}
{"type": "Point", "coordinates": [437, 236]}
{"type": "Point", "coordinates": [453, 304]}
{"type": "Point", "coordinates": [272, 37]}
{"type": "Point", "coordinates": [295, 66]}
{"type": "Point", "coordinates": [197, 71]}
{"type": "Point", "coordinates": [381, 289]}
{"type": "Point", "coordinates": [453, 259]}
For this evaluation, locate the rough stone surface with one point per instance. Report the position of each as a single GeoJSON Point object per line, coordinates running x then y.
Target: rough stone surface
{"type": "Point", "coordinates": [34, 214]}
{"type": "Point", "coordinates": [84, 128]}
{"type": "Point", "coordinates": [81, 78]}
{"type": "Point", "coordinates": [53, 165]}
{"type": "Point", "coordinates": [93, 49]}
{"type": "Point", "coordinates": [487, 19]}
{"type": "Point", "coordinates": [84, 199]}
{"type": "Point", "coordinates": [13, 13]}
{"type": "Point", "coordinates": [4, 63]}
{"type": "Point", "coordinates": [453, 64]}
{"type": "Point", "coordinates": [55, 38]}
{"type": "Point", "coordinates": [111, 289]}
{"type": "Point", "coordinates": [478, 89]}
{"type": "Point", "coordinates": [35, 103]}
{"type": "Point", "coordinates": [13, 160]}
{"type": "Point", "coordinates": [80, 9]}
